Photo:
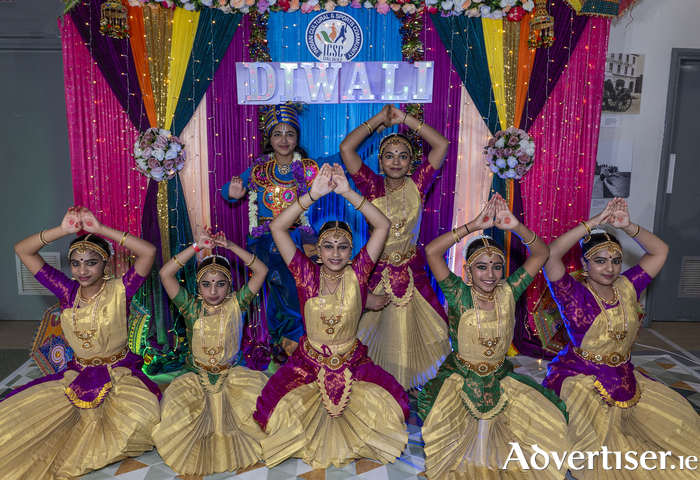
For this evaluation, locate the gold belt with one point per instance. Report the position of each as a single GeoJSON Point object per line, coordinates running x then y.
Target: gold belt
{"type": "Point", "coordinates": [612, 359]}
{"type": "Point", "coordinates": [215, 368]}
{"type": "Point", "coordinates": [97, 361]}
{"type": "Point", "coordinates": [334, 362]}
{"type": "Point", "coordinates": [482, 368]}
{"type": "Point", "coordinates": [397, 258]}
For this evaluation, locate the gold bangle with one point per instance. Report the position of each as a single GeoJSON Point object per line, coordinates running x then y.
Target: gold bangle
{"type": "Point", "coordinates": [43, 240]}
{"type": "Point", "coordinates": [455, 235]}
{"type": "Point", "coordinates": [255, 258]}
{"type": "Point", "coordinates": [635, 233]}
{"type": "Point", "coordinates": [362, 204]}
{"type": "Point", "coordinates": [123, 240]}
{"type": "Point", "coordinates": [366, 124]}
{"type": "Point", "coordinates": [301, 205]}
{"type": "Point", "coordinates": [420, 125]}
{"type": "Point", "coordinates": [585, 225]}
{"type": "Point", "coordinates": [178, 262]}
{"type": "Point", "coordinates": [534, 237]}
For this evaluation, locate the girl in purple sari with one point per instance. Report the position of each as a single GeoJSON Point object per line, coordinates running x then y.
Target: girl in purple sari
{"type": "Point", "coordinates": [330, 404]}
{"type": "Point", "coordinates": [611, 405]}
{"type": "Point", "coordinates": [101, 409]}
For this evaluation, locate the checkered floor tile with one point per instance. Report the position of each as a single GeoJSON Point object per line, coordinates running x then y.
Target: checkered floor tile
{"type": "Point", "coordinates": [411, 465]}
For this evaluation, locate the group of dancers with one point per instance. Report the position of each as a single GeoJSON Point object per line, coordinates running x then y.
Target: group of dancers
{"type": "Point", "coordinates": [358, 333]}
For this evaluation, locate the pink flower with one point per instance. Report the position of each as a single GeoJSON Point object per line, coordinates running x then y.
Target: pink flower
{"type": "Point", "coordinates": [524, 159]}
{"type": "Point", "coordinates": [330, 6]}
{"type": "Point", "coordinates": [409, 8]}
{"type": "Point", "coordinates": [250, 3]}
{"type": "Point", "coordinates": [144, 144]}
{"type": "Point", "coordinates": [520, 170]}
{"type": "Point", "coordinates": [499, 133]}
{"type": "Point", "coordinates": [431, 9]}
{"type": "Point", "coordinates": [383, 8]}
{"type": "Point", "coordinates": [160, 142]}
{"type": "Point", "coordinates": [491, 151]}
{"type": "Point", "coordinates": [507, 152]}
{"type": "Point", "coordinates": [395, 7]}
{"type": "Point", "coordinates": [293, 5]}
{"type": "Point", "coordinates": [519, 152]}
{"type": "Point", "coordinates": [516, 14]}
{"type": "Point", "coordinates": [489, 159]}
{"type": "Point", "coordinates": [168, 164]}
{"type": "Point", "coordinates": [153, 163]}
{"type": "Point", "coordinates": [466, 4]}
{"type": "Point", "coordinates": [263, 6]}
{"type": "Point", "coordinates": [238, 4]}
{"type": "Point", "coordinates": [356, 4]}
{"type": "Point", "coordinates": [513, 141]}
{"type": "Point", "coordinates": [147, 152]}
{"type": "Point", "coordinates": [317, 7]}
{"type": "Point", "coordinates": [492, 142]}
{"type": "Point", "coordinates": [499, 152]}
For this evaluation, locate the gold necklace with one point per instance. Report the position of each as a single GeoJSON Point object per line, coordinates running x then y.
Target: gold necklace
{"type": "Point", "coordinates": [488, 343]}
{"type": "Point", "coordinates": [396, 227]}
{"type": "Point", "coordinates": [331, 320]}
{"type": "Point", "coordinates": [332, 278]}
{"type": "Point", "coordinates": [87, 335]}
{"type": "Point", "coordinates": [283, 169]}
{"type": "Point", "coordinates": [487, 298]}
{"type": "Point", "coordinates": [618, 336]}
{"type": "Point", "coordinates": [213, 352]}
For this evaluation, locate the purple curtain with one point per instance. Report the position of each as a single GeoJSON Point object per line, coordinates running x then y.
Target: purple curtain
{"type": "Point", "coordinates": [233, 144]}
{"type": "Point", "coordinates": [550, 62]}
{"type": "Point", "coordinates": [114, 59]}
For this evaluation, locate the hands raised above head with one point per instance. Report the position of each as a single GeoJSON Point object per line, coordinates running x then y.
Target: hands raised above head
{"type": "Point", "coordinates": [206, 239]}
{"type": "Point", "coordinates": [505, 219]}
{"type": "Point", "coordinates": [615, 213]}
{"type": "Point", "coordinates": [487, 216]}
{"type": "Point", "coordinates": [329, 179]}
{"type": "Point", "coordinates": [341, 182]}
{"type": "Point", "coordinates": [71, 221]}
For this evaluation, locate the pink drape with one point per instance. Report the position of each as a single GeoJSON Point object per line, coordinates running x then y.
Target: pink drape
{"type": "Point", "coordinates": [556, 193]}
{"type": "Point", "coordinates": [101, 139]}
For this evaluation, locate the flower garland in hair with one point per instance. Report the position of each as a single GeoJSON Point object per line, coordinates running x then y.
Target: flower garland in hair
{"type": "Point", "coordinates": [159, 155]}
{"type": "Point", "coordinates": [299, 174]}
{"type": "Point", "coordinates": [470, 241]}
{"type": "Point", "coordinates": [509, 154]}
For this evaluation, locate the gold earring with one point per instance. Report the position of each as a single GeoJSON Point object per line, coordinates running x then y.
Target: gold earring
{"type": "Point", "coordinates": [72, 278]}
{"type": "Point", "coordinates": [469, 279]}
{"type": "Point", "coordinates": [319, 260]}
{"type": "Point", "coordinates": [106, 274]}
{"type": "Point", "coordinates": [585, 271]}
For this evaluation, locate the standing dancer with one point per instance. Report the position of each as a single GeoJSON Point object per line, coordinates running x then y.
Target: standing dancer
{"type": "Point", "coordinates": [330, 404]}
{"type": "Point", "coordinates": [405, 328]}
{"type": "Point", "coordinates": [476, 408]}
{"type": "Point", "coordinates": [101, 409]}
{"type": "Point", "coordinates": [207, 424]}
{"type": "Point", "coordinates": [611, 406]}
{"type": "Point", "coordinates": [274, 181]}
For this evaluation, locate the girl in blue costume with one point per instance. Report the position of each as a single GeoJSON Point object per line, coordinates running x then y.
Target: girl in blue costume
{"type": "Point", "coordinates": [273, 183]}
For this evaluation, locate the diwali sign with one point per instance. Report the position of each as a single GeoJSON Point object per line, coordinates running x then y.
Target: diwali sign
{"type": "Point", "coordinates": [274, 83]}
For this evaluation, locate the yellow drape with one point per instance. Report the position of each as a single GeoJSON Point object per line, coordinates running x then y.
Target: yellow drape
{"type": "Point", "coordinates": [493, 41]}
{"type": "Point", "coordinates": [184, 30]}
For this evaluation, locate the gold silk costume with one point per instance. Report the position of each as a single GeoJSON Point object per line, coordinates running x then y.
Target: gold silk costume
{"type": "Point", "coordinates": [47, 432]}
{"type": "Point", "coordinates": [207, 425]}
{"type": "Point", "coordinates": [407, 338]}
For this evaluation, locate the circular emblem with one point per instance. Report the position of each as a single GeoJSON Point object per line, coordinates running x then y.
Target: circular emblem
{"type": "Point", "coordinates": [334, 37]}
{"type": "Point", "coordinates": [335, 361]}
{"type": "Point", "coordinates": [483, 368]}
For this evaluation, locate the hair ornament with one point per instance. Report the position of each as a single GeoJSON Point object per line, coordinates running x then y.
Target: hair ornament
{"type": "Point", "coordinates": [395, 139]}
{"type": "Point", "coordinates": [336, 232]}
{"type": "Point", "coordinates": [486, 248]}
{"type": "Point", "coordinates": [286, 113]}
{"type": "Point", "coordinates": [608, 245]}
{"type": "Point", "coordinates": [86, 244]}
{"type": "Point", "coordinates": [223, 267]}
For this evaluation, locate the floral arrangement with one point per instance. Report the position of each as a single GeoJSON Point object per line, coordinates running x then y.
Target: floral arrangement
{"type": "Point", "coordinates": [299, 174]}
{"type": "Point", "coordinates": [159, 155]}
{"type": "Point", "coordinates": [509, 154]}
{"type": "Point", "coordinates": [513, 10]}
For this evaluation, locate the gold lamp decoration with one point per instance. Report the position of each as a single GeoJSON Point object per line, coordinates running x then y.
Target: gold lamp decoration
{"type": "Point", "coordinates": [113, 19]}
{"type": "Point", "coordinates": [541, 27]}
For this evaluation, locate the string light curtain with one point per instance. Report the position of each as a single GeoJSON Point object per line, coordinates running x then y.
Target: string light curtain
{"type": "Point", "coordinates": [101, 136]}
{"type": "Point", "coordinates": [557, 192]}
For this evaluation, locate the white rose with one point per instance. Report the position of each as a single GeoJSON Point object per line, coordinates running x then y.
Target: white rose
{"type": "Point", "coordinates": [137, 151]}
{"type": "Point", "coordinates": [206, 3]}
{"type": "Point", "coordinates": [171, 154]}
{"type": "Point", "coordinates": [497, 15]}
{"type": "Point", "coordinates": [368, 5]}
{"type": "Point", "coordinates": [501, 141]}
{"type": "Point", "coordinates": [530, 151]}
{"type": "Point", "coordinates": [512, 162]}
{"type": "Point", "coordinates": [447, 5]}
{"type": "Point", "coordinates": [529, 5]}
{"type": "Point", "coordinates": [142, 163]}
{"type": "Point", "coordinates": [507, 3]}
{"type": "Point", "coordinates": [164, 133]}
{"type": "Point", "coordinates": [271, 2]}
{"type": "Point", "coordinates": [312, 3]}
{"type": "Point", "coordinates": [159, 154]}
{"type": "Point", "coordinates": [494, 168]}
{"type": "Point", "coordinates": [485, 10]}
{"type": "Point", "coordinates": [431, 2]}
{"type": "Point", "coordinates": [510, 174]}
{"type": "Point", "coordinates": [501, 163]}
{"type": "Point", "coordinates": [188, 7]}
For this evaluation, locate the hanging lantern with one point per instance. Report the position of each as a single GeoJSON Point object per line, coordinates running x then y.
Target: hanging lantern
{"type": "Point", "coordinates": [541, 27]}
{"type": "Point", "coordinates": [113, 20]}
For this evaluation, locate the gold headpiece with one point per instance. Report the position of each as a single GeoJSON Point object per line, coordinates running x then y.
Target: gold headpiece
{"type": "Point", "coordinates": [86, 244]}
{"type": "Point", "coordinates": [215, 268]}
{"type": "Point", "coordinates": [395, 140]}
{"type": "Point", "coordinates": [608, 245]}
{"type": "Point", "coordinates": [487, 249]}
{"type": "Point", "coordinates": [336, 231]}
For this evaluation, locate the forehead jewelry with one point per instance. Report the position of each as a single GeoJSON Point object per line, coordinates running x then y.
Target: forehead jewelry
{"type": "Point", "coordinates": [395, 140]}
{"type": "Point", "coordinates": [486, 249]}
{"type": "Point", "coordinates": [84, 245]}
{"type": "Point", "coordinates": [215, 268]}
{"type": "Point", "coordinates": [336, 232]}
{"type": "Point", "coordinates": [608, 245]}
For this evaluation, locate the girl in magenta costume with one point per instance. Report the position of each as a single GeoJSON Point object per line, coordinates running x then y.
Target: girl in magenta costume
{"type": "Point", "coordinates": [611, 405]}
{"type": "Point", "coordinates": [207, 421]}
{"type": "Point", "coordinates": [330, 404]}
{"type": "Point", "coordinates": [101, 409]}
{"type": "Point", "coordinates": [405, 327]}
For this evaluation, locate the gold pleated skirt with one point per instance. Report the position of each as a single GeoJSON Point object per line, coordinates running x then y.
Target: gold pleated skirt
{"type": "Point", "coordinates": [458, 446]}
{"type": "Point", "coordinates": [662, 420]}
{"type": "Point", "coordinates": [409, 342]}
{"type": "Point", "coordinates": [371, 426]}
{"type": "Point", "coordinates": [43, 436]}
{"type": "Point", "coordinates": [203, 433]}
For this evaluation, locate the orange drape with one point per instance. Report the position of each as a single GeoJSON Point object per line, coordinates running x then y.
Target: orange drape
{"type": "Point", "coordinates": [138, 49]}
{"type": "Point", "coordinates": [526, 57]}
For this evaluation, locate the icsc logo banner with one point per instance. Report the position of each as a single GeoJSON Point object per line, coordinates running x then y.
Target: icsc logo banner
{"type": "Point", "coordinates": [334, 37]}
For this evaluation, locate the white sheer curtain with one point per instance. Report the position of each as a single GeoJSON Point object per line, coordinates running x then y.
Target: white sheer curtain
{"type": "Point", "coordinates": [473, 176]}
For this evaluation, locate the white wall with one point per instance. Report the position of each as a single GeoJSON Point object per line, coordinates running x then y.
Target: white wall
{"type": "Point", "coordinates": [651, 28]}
